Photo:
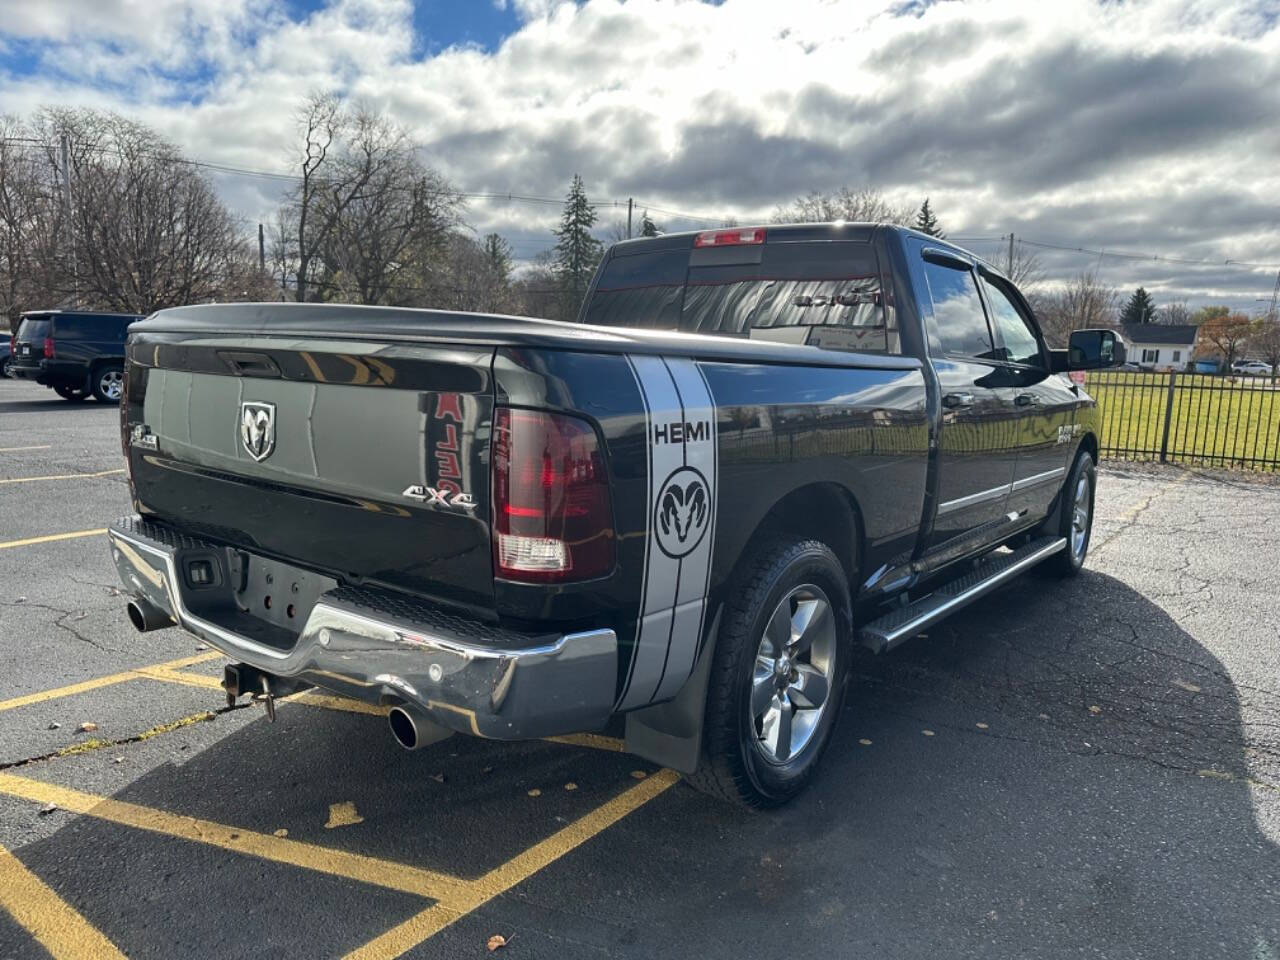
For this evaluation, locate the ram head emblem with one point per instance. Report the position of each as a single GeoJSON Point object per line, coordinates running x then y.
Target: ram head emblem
{"type": "Point", "coordinates": [683, 509]}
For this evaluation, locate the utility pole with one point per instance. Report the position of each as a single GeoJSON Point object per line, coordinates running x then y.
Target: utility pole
{"type": "Point", "coordinates": [630, 204]}
{"type": "Point", "coordinates": [1009, 271]}
{"type": "Point", "coordinates": [64, 159]}
{"type": "Point", "coordinates": [262, 250]}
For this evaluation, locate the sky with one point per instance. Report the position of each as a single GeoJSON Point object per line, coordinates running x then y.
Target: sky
{"type": "Point", "coordinates": [1143, 128]}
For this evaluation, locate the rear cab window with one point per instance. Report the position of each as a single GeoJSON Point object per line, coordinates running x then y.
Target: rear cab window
{"type": "Point", "coordinates": [824, 293]}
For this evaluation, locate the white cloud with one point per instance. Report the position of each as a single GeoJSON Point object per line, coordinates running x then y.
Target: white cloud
{"type": "Point", "coordinates": [1148, 127]}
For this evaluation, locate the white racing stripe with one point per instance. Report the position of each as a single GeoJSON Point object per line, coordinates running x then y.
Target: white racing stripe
{"type": "Point", "coordinates": [681, 427]}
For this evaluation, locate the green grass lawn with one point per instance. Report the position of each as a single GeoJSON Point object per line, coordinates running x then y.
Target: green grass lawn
{"type": "Point", "coordinates": [1214, 421]}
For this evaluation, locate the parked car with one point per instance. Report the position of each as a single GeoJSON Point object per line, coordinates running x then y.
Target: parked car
{"type": "Point", "coordinates": [6, 349]}
{"type": "Point", "coordinates": [760, 447]}
{"type": "Point", "coordinates": [1251, 368]}
{"type": "Point", "coordinates": [77, 354]}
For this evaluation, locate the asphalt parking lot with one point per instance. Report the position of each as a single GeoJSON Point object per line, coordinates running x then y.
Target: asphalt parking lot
{"type": "Point", "coordinates": [1083, 769]}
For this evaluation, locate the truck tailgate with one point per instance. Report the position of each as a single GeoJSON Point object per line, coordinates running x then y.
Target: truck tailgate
{"type": "Point", "coordinates": [365, 459]}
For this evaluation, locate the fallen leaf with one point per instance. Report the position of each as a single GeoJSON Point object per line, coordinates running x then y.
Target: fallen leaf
{"type": "Point", "coordinates": [927, 733]}
{"type": "Point", "coordinates": [1095, 709]}
{"type": "Point", "coordinates": [982, 726]}
{"type": "Point", "coordinates": [865, 742]}
{"type": "Point", "coordinates": [343, 815]}
{"type": "Point", "coordinates": [55, 725]}
{"type": "Point", "coordinates": [117, 759]}
{"type": "Point", "coordinates": [282, 832]}
{"type": "Point", "coordinates": [496, 942]}
{"type": "Point", "coordinates": [21, 600]}
{"type": "Point", "coordinates": [638, 774]}
{"type": "Point", "coordinates": [1189, 687]}
{"type": "Point", "coordinates": [535, 792]}
{"type": "Point", "coordinates": [87, 727]}
{"type": "Point", "coordinates": [202, 646]}
{"type": "Point", "coordinates": [438, 777]}
{"type": "Point", "coordinates": [571, 785]}
{"type": "Point", "coordinates": [47, 809]}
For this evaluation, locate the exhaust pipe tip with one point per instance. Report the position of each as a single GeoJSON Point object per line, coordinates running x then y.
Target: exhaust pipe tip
{"type": "Point", "coordinates": [413, 729]}
{"type": "Point", "coordinates": [145, 616]}
{"type": "Point", "coordinates": [403, 728]}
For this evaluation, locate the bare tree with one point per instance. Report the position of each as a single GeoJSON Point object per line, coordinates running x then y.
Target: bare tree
{"type": "Point", "coordinates": [1229, 333]}
{"type": "Point", "coordinates": [1082, 303]}
{"type": "Point", "coordinates": [864, 204]}
{"type": "Point", "coordinates": [142, 228]}
{"type": "Point", "coordinates": [1174, 313]}
{"type": "Point", "coordinates": [22, 205]}
{"type": "Point", "coordinates": [368, 221]}
{"type": "Point", "coordinates": [1264, 340]}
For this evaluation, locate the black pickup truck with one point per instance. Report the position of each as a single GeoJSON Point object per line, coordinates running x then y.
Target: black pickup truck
{"type": "Point", "coordinates": [759, 447]}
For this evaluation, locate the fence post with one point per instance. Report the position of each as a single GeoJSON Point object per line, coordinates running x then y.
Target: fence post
{"type": "Point", "coordinates": [1168, 418]}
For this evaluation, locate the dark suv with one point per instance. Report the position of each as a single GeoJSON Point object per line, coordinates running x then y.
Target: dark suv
{"type": "Point", "coordinates": [75, 353]}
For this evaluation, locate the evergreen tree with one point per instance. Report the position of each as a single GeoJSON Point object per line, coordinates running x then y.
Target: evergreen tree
{"type": "Point", "coordinates": [926, 222]}
{"type": "Point", "coordinates": [576, 252]}
{"type": "Point", "coordinates": [647, 227]}
{"type": "Point", "coordinates": [1140, 308]}
{"type": "Point", "coordinates": [497, 254]}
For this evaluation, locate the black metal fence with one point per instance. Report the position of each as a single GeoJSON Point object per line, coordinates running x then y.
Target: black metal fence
{"type": "Point", "coordinates": [1191, 418]}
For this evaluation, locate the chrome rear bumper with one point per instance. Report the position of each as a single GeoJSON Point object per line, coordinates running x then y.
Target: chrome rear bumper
{"type": "Point", "coordinates": [383, 647]}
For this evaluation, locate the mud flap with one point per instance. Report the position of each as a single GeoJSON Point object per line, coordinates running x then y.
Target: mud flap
{"type": "Point", "coordinates": [670, 733]}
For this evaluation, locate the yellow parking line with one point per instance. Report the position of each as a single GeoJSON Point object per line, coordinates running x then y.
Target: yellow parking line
{"type": "Point", "coordinates": [310, 697]}
{"type": "Point", "coordinates": [596, 741]}
{"type": "Point", "coordinates": [64, 476]}
{"type": "Point", "coordinates": [97, 682]}
{"type": "Point", "coordinates": [429, 922]}
{"type": "Point", "coordinates": [338, 863]}
{"type": "Point", "coordinates": [20, 449]}
{"type": "Point", "coordinates": [6, 544]}
{"type": "Point", "coordinates": [53, 922]}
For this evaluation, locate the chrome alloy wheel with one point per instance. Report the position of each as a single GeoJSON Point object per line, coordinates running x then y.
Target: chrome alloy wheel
{"type": "Point", "coordinates": [1080, 516]}
{"type": "Point", "coordinates": [111, 384]}
{"type": "Point", "coordinates": [791, 681]}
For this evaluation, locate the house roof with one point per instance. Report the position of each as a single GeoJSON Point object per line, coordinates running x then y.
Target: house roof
{"type": "Point", "coordinates": [1179, 333]}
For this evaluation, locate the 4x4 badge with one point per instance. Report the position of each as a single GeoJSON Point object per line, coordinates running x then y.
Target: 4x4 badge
{"type": "Point", "coordinates": [432, 496]}
{"type": "Point", "coordinates": [258, 428]}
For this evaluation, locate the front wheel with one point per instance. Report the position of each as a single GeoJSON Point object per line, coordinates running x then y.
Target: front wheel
{"type": "Point", "coordinates": [1075, 518]}
{"type": "Point", "coordinates": [778, 675]}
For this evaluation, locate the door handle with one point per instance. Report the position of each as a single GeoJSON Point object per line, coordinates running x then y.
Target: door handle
{"type": "Point", "coordinates": [953, 400]}
{"type": "Point", "coordinates": [1026, 400]}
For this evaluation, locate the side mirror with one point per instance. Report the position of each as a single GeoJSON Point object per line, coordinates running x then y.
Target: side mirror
{"type": "Point", "coordinates": [1090, 350]}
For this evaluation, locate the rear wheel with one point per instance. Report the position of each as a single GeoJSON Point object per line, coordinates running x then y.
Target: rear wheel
{"type": "Point", "coordinates": [778, 676]}
{"type": "Point", "coordinates": [4, 367]}
{"type": "Point", "coordinates": [108, 383]}
{"type": "Point", "coordinates": [1075, 523]}
{"type": "Point", "coordinates": [70, 393]}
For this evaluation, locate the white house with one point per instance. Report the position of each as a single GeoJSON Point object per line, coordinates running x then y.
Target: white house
{"type": "Point", "coordinates": [1160, 346]}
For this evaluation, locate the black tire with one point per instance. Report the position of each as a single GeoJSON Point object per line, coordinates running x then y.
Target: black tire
{"type": "Point", "coordinates": [70, 393]}
{"type": "Point", "coordinates": [1069, 562]}
{"type": "Point", "coordinates": [734, 766]}
{"type": "Point", "coordinates": [107, 382]}
{"type": "Point", "coordinates": [4, 368]}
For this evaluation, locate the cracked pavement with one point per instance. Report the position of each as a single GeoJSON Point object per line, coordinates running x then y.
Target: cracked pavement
{"type": "Point", "coordinates": [1100, 775]}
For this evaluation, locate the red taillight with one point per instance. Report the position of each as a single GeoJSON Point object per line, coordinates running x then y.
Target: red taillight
{"type": "Point", "coordinates": [552, 520]}
{"type": "Point", "coordinates": [48, 348]}
{"type": "Point", "coordinates": [729, 238]}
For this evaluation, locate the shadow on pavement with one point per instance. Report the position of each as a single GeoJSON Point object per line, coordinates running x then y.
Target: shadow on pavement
{"type": "Point", "coordinates": [1123, 831]}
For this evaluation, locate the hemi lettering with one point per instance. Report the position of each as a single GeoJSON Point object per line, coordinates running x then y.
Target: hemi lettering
{"type": "Point", "coordinates": [682, 432]}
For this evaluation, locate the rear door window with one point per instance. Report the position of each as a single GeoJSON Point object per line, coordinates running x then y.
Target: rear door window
{"type": "Point", "coordinates": [824, 285]}
{"type": "Point", "coordinates": [959, 325]}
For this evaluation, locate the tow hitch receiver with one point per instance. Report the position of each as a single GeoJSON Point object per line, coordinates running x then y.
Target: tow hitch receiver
{"type": "Point", "coordinates": [239, 679]}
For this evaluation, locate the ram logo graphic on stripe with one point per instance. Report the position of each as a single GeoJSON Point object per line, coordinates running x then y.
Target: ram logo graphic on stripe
{"type": "Point", "coordinates": [680, 421]}
{"type": "Point", "coordinates": [684, 510]}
